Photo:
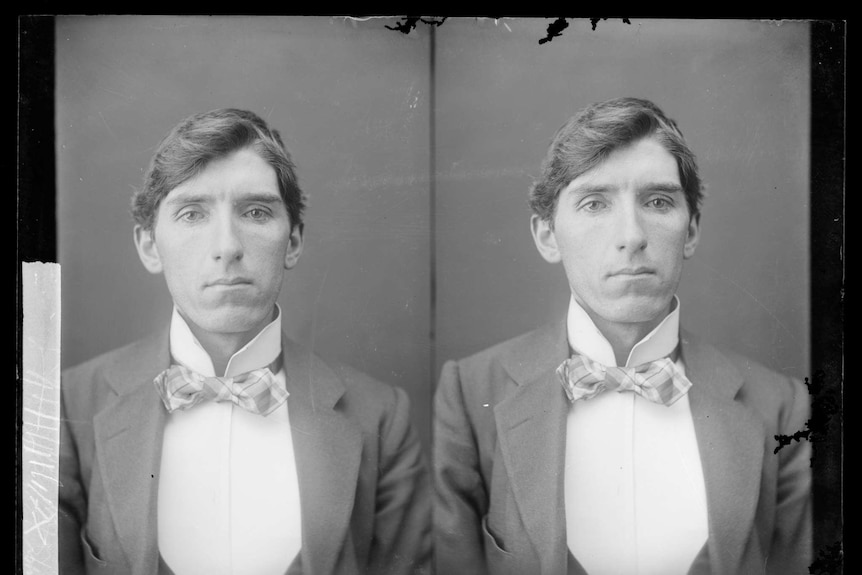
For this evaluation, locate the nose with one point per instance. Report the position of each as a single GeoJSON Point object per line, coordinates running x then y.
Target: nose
{"type": "Point", "coordinates": [632, 235]}
{"type": "Point", "coordinates": [226, 242]}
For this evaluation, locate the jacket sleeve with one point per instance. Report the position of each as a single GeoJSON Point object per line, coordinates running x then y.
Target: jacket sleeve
{"type": "Point", "coordinates": [791, 548]}
{"type": "Point", "coordinates": [460, 495]}
{"type": "Point", "coordinates": [402, 521]}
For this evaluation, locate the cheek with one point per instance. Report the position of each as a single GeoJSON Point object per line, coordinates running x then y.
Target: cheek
{"type": "Point", "coordinates": [180, 257]}
{"type": "Point", "coordinates": [173, 241]}
{"type": "Point", "coordinates": [169, 256]}
{"type": "Point", "coordinates": [583, 262]}
{"type": "Point", "coordinates": [267, 250]}
{"type": "Point", "coordinates": [179, 273]}
{"type": "Point", "coordinates": [582, 250]}
{"type": "Point", "coordinates": [671, 232]}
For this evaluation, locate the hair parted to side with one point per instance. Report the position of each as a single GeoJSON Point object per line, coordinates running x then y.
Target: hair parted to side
{"type": "Point", "coordinates": [587, 139]}
{"type": "Point", "coordinates": [204, 137]}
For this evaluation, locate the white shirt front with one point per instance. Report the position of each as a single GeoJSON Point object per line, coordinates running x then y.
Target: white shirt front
{"type": "Point", "coordinates": [228, 498]}
{"type": "Point", "coordinates": [635, 496]}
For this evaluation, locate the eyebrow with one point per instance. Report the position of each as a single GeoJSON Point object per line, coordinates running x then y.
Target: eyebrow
{"type": "Point", "coordinates": [250, 198]}
{"type": "Point", "coordinates": [255, 198]}
{"type": "Point", "coordinates": [669, 187]}
{"type": "Point", "coordinates": [588, 189]}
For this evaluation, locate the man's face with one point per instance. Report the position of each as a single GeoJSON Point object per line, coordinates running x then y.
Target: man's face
{"type": "Point", "coordinates": [622, 231]}
{"type": "Point", "coordinates": [223, 240]}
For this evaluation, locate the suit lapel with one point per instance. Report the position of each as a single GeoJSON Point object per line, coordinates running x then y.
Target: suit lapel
{"type": "Point", "coordinates": [328, 449]}
{"type": "Point", "coordinates": [730, 440]}
{"type": "Point", "coordinates": [128, 436]}
{"type": "Point", "coordinates": [531, 427]}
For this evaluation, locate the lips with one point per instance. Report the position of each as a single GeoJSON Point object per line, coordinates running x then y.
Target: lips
{"type": "Point", "coordinates": [234, 281]}
{"type": "Point", "coordinates": [636, 271]}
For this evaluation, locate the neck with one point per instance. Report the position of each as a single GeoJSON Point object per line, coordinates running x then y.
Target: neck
{"type": "Point", "coordinates": [221, 347]}
{"type": "Point", "coordinates": [624, 336]}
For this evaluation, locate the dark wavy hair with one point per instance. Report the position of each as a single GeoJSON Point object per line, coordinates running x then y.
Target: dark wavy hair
{"type": "Point", "coordinates": [587, 139]}
{"type": "Point", "coordinates": [204, 137]}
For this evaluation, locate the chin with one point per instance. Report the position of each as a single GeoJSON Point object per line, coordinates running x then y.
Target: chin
{"type": "Point", "coordinates": [235, 320]}
{"type": "Point", "coordinates": [639, 310]}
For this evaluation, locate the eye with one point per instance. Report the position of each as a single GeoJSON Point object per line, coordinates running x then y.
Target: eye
{"type": "Point", "coordinates": [660, 203]}
{"type": "Point", "coordinates": [593, 205]}
{"type": "Point", "coordinates": [191, 216]}
{"type": "Point", "coordinates": [258, 214]}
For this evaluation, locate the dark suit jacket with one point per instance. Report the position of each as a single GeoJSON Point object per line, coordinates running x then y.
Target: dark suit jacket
{"type": "Point", "coordinates": [499, 455]}
{"type": "Point", "coordinates": [363, 483]}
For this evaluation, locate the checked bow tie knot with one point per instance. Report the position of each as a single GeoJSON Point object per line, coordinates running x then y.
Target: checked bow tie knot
{"type": "Point", "coordinates": [256, 391]}
{"type": "Point", "coordinates": [658, 381]}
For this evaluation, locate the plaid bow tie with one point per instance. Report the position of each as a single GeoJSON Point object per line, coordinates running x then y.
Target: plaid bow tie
{"type": "Point", "coordinates": [658, 381]}
{"type": "Point", "coordinates": [256, 391]}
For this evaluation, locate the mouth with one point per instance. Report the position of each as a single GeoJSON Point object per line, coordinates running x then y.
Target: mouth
{"type": "Point", "coordinates": [632, 272]}
{"type": "Point", "coordinates": [229, 282]}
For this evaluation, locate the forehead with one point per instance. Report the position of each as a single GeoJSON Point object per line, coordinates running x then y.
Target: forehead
{"type": "Point", "coordinates": [229, 177]}
{"type": "Point", "coordinates": [644, 159]}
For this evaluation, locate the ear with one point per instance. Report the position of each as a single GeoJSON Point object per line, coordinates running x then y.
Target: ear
{"type": "Point", "coordinates": [148, 251]}
{"type": "Point", "coordinates": [294, 247]}
{"type": "Point", "coordinates": [546, 241]}
{"type": "Point", "coordinates": [692, 237]}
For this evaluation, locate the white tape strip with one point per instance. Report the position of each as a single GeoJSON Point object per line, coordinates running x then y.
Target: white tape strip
{"type": "Point", "coordinates": [40, 434]}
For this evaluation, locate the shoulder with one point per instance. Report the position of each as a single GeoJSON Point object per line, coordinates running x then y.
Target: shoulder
{"type": "Point", "coordinates": [522, 351]}
{"type": "Point", "coordinates": [96, 380]}
{"type": "Point", "coordinates": [766, 388]}
{"type": "Point", "coordinates": [768, 391]}
{"type": "Point", "coordinates": [106, 361]}
{"type": "Point", "coordinates": [489, 376]}
{"type": "Point", "coordinates": [361, 386]}
{"type": "Point", "coordinates": [335, 383]}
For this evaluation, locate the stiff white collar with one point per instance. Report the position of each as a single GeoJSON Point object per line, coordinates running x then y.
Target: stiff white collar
{"type": "Point", "coordinates": [586, 339]}
{"type": "Point", "coordinates": [260, 351]}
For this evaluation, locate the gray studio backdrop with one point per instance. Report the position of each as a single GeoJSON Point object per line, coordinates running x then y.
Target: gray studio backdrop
{"type": "Point", "coordinates": [740, 93]}
{"type": "Point", "coordinates": [417, 154]}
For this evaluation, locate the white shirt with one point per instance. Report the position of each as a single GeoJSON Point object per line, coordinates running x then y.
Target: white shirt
{"type": "Point", "coordinates": [635, 496]}
{"type": "Point", "coordinates": [228, 498]}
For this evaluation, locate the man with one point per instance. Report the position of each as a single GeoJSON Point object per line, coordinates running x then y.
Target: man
{"type": "Point", "coordinates": [219, 445]}
{"type": "Point", "coordinates": [611, 441]}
